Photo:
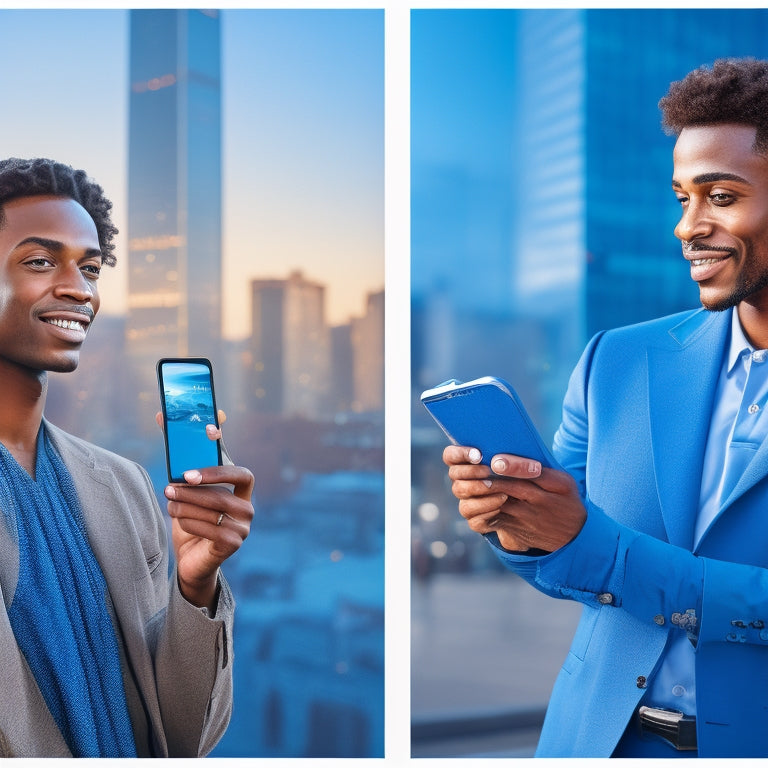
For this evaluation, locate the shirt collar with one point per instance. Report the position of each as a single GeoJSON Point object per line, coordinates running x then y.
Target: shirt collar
{"type": "Point", "coordinates": [739, 343]}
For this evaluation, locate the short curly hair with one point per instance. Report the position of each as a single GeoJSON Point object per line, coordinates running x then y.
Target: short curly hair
{"type": "Point", "coordinates": [40, 176]}
{"type": "Point", "coordinates": [730, 91]}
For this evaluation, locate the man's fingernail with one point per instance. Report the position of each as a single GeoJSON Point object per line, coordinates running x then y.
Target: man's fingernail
{"type": "Point", "coordinates": [534, 468]}
{"type": "Point", "coordinates": [192, 476]}
{"type": "Point", "coordinates": [475, 455]}
{"type": "Point", "coordinates": [170, 492]}
{"type": "Point", "coordinates": [499, 465]}
{"type": "Point", "coordinates": [488, 483]}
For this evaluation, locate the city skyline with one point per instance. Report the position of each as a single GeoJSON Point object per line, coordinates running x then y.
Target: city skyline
{"type": "Point", "coordinates": [303, 188]}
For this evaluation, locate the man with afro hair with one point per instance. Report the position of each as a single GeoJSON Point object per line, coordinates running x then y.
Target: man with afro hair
{"type": "Point", "coordinates": [658, 526]}
{"type": "Point", "coordinates": [102, 655]}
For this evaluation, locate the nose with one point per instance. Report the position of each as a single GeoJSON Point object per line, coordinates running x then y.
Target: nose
{"type": "Point", "coordinates": [74, 285]}
{"type": "Point", "coordinates": [694, 223]}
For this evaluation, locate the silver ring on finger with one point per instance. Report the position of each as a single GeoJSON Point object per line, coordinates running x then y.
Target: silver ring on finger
{"type": "Point", "coordinates": [221, 517]}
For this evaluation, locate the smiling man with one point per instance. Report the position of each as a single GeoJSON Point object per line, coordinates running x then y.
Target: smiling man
{"type": "Point", "coordinates": [658, 526]}
{"type": "Point", "coordinates": [101, 654]}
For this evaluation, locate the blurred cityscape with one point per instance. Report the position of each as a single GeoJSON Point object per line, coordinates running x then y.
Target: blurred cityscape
{"type": "Point", "coordinates": [304, 404]}
{"type": "Point", "coordinates": [541, 212]}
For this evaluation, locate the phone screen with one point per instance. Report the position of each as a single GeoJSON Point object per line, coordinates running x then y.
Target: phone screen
{"type": "Point", "coordinates": [188, 404]}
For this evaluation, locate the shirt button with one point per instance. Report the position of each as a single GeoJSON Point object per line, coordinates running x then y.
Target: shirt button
{"type": "Point", "coordinates": [678, 690]}
{"type": "Point", "coordinates": [658, 619]}
{"type": "Point", "coordinates": [641, 681]}
{"type": "Point", "coordinates": [759, 355]}
{"type": "Point", "coordinates": [605, 598]}
{"type": "Point", "coordinates": [754, 408]}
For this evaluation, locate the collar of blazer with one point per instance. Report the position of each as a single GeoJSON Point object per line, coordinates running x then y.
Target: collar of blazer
{"type": "Point", "coordinates": [127, 533]}
{"type": "Point", "coordinates": [682, 383]}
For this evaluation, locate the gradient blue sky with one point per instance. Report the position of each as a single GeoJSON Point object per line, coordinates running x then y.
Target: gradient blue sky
{"type": "Point", "coordinates": [303, 137]}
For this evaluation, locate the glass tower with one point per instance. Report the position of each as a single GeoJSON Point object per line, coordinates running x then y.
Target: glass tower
{"type": "Point", "coordinates": [174, 187]}
{"type": "Point", "coordinates": [634, 267]}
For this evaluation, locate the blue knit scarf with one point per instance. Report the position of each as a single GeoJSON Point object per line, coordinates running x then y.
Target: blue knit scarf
{"type": "Point", "coordinates": [59, 613]}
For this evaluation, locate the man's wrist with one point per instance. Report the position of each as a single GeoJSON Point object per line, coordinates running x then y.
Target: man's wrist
{"type": "Point", "coordinates": [204, 596]}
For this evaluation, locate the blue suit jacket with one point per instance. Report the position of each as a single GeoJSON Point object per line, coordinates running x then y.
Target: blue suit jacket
{"type": "Point", "coordinates": [635, 424]}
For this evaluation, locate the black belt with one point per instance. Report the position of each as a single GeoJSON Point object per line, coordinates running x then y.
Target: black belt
{"type": "Point", "coordinates": [675, 727]}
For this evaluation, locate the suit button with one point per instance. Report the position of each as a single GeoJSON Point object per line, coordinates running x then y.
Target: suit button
{"type": "Point", "coordinates": [605, 598]}
{"type": "Point", "coordinates": [641, 681]}
{"type": "Point", "coordinates": [764, 634]}
{"type": "Point", "coordinates": [658, 619]}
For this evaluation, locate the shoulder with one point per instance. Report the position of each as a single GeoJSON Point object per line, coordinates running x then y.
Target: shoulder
{"type": "Point", "coordinates": [660, 328]}
{"type": "Point", "coordinates": [106, 482]}
{"type": "Point", "coordinates": [673, 331]}
{"type": "Point", "coordinates": [614, 355]}
{"type": "Point", "coordinates": [75, 450]}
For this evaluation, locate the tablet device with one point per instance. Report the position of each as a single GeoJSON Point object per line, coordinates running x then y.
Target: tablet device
{"type": "Point", "coordinates": [486, 414]}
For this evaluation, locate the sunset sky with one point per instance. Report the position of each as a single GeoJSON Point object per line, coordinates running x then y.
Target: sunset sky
{"type": "Point", "coordinates": [303, 138]}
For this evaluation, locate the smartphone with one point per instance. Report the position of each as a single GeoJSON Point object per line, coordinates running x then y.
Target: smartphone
{"type": "Point", "coordinates": [189, 404]}
{"type": "Point", "coordinates": [486, 414]}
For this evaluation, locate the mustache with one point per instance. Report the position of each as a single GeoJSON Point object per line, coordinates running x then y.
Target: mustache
{"type": "Point", "coordinates": [696, 246]}
{"type": "Point", "coordinates": [80, 309]}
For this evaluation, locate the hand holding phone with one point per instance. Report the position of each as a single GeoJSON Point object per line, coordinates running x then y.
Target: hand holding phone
{"type": "Point", "coordinates": [486, 414]}
{"type": "Point", "coordinates": [188, 405]}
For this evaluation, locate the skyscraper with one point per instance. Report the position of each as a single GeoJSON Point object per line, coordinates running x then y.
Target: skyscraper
{"type": "Point", "coordinates": [597, 220]}
{"type": "Point", "coordinates": [291, 347]}
{"type": "Point", "coordinates": [634, 268]}
{"type": "Point", "coordinates": [368, 355]}
{"type": "Point", "coordinates": [174, 187]}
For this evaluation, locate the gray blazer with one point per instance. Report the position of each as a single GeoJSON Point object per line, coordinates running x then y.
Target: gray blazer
{"type": "Point", "coordinates": [177, 663]}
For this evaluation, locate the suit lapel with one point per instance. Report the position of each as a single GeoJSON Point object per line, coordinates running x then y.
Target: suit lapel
{"type": "Point", "coordinates": [679, 423]}
{"type": "Point", "coordinates": [111, 534]}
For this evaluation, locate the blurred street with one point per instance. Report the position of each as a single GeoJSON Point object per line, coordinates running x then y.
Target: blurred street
{"type": "Point", "coordinates": [485, 651]}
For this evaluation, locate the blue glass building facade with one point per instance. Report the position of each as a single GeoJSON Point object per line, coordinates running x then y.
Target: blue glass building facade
{"type": "Point", "coordinates": [634, 268]}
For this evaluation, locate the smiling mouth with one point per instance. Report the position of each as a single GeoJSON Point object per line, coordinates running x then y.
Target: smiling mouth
{"type": "Point", "coordinates": [72, 325]}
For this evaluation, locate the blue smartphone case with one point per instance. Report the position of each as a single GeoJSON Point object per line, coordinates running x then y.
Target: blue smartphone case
{"type": "Point", "coordinates": [486, 414]}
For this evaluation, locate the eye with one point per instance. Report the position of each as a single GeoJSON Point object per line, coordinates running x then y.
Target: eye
{"type": "Point", "coordinates": [39, 262]}
{"type": "Point", "coordinates": [721, 198]}
{"type": "Point", "coordinates": [682, 199]}
{"type": "Point", "coordinates": [92, 270]}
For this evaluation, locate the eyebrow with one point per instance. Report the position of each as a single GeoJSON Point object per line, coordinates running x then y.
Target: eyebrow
{"type": "Point", "coordinates": [708, 178]}
{"type": "Point", "coordinates": [54, 245]}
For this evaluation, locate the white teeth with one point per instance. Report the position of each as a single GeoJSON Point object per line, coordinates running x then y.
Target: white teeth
{"type": "Point", "coordinates": [702, 262]}
{"type": "Point", "coordinates": [72, 325]}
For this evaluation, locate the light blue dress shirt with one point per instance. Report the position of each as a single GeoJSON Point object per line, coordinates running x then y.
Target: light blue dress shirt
{"type": "Point", "coordinates": [736, 430]}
